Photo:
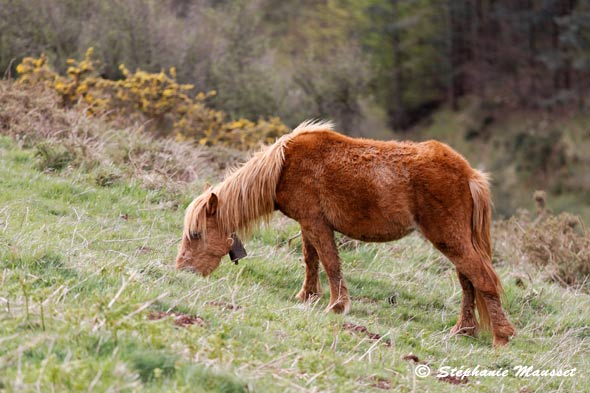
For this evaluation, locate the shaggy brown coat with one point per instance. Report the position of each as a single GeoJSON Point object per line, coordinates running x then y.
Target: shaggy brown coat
{"type": "Point", "coordinates": [368, 190]}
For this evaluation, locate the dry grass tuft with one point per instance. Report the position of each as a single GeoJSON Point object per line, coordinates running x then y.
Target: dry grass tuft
{"type": "Point", "coordinates": [557, 244]}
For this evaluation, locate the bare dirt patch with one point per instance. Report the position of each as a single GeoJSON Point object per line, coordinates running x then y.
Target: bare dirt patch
{"type": "Point", "coordinates": [180, 319]}
{"type": "Point", "coordinates": [412, 358]}
{"type": "Point", "coordinates": [363, 329]}
{"type": "Point", "coordinates": [453, 380]}
{"type": "Point", "coordinates": [382, 384]}
{"type": "Point", "coordinates": [448, 379]}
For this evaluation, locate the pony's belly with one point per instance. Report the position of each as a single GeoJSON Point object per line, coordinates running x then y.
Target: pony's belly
{"type": "Point", "coordinates": [372, 232]}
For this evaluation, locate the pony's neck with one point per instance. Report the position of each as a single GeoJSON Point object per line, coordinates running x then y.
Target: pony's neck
{"type": "Point", "coordinates": [247, 195]}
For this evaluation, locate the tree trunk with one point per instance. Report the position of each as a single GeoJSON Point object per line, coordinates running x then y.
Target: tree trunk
{"type": "Point", "coordinates": [459, 22]}
{"type": "Point", "coordinates": [397, 112]}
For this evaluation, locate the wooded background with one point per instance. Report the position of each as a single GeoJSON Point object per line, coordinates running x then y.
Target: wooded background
{"type": "Point", "coordinates": [338, 59]}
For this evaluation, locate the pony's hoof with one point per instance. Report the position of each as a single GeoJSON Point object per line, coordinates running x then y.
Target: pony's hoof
{"type": "Point", "coordinates": [503, 335]}
{"type": "Point", "coordinates": [306, 296]}
{"type": "Point", "coordinates": [341, 307]}
{"type": "Point", "coordinates": [465, 329]}
{"type": "Point", "coordinates": [500, 341]}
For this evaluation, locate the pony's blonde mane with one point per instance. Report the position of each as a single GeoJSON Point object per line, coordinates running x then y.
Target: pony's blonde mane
{"type": "Point", "coordinates": [247, 195]}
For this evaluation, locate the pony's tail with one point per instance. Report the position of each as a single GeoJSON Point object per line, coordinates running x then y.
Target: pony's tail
{"type": "Point", "coordinates": [481, 239]}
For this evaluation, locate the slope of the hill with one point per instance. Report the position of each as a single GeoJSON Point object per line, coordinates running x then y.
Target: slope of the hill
{"type": "Point", "coordinates": [90, 301]}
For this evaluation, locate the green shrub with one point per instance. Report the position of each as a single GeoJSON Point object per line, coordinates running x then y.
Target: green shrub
{"type": "Point", "coordinates": [53, 157]}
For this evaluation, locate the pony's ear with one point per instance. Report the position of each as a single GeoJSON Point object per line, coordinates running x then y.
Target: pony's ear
{"type": "Point", "coordinates": [212, 205]}
{"type": "Point", "coordinates": [206, 186]}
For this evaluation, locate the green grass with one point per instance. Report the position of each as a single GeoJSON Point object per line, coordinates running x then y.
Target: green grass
{"type": "Point", "coordinates": [83, 266]}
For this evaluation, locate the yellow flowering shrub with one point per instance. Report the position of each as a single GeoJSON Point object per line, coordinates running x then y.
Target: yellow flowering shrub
{"type": "Point", "coordinates": [167, 105]}
{"type": "Point", "coordinates": [35, 71]}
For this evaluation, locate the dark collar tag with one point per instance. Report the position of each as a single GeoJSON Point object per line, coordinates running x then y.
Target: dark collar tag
{"type": "Point", "coordinates": [237, 250]}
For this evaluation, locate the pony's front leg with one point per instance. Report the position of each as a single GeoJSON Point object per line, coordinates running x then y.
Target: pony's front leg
{"type": "Point", "coordinates": [322, 238]}
{"type": "Point", "coordinates": [312, 288]}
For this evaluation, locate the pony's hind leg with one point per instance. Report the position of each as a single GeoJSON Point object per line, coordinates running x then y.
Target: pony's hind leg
{"type": "Point", "coordinates": [322, 238]}
{"type": "Point", "coordinates": [502, 329]}
{"type": "Point", "coordinates": [467, 323]}
{"type": "Point", "coordinates": [311, 288]}
{"type": "Point", "coordinates": [480, 274]}
{"type": "Point", "coordinates": [487, 294]}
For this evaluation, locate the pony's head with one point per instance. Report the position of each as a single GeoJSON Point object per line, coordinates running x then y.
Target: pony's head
{"type": "Point", "coordinates": [204, 242]}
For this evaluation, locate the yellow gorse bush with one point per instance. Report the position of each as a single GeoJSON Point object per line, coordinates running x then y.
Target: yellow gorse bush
{"type": "Point", "coordinates": [34, 71]}
{"type": "Point", "coordinates": [157, 97]}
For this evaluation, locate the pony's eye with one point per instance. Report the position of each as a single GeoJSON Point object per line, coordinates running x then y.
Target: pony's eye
{"type": "Point", "coordinates": [195, 236]}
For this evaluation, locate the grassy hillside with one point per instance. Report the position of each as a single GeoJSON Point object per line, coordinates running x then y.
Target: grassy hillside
{"type": "Point", "coordinates": [89, 300]}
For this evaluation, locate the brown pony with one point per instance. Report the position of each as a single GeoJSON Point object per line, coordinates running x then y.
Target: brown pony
{"type": "Point", "coordinates": [368, 190]}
